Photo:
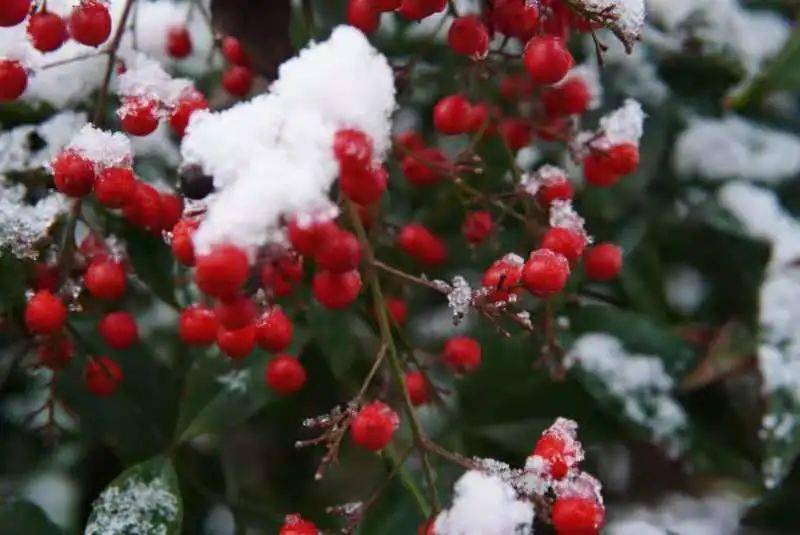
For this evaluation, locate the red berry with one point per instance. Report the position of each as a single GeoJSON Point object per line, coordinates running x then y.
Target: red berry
{"type": "Point", "coordinates": [56, 353]}
{"type": "Point", "coordinates": [451, 115]}
{"type": "Point", "coordinates": [12, 12]}
{"type": "Point", "coordinates": [546, 59]}
{"type": "Point", "coordinates": [477, 226]}
{"type": "Point", "coordinates": [179, 42]}
{"type": "Point", "coordinates": [237, 343]}
{"type": "Point", "coordinates": [197, 326]}
{"type": "Point", "coordinates": [372, 428]}
{"type": "Point", "coordinates": [105, 279]}
{"type": "Point", "coordinates": [280, 276]}
{"type": "Point", "coordinates": [186, 106]}
{"type": "Point", "coordinates": [409, 140]}
{"type": "Point", "coordinates": [352, 149]}
{"type": "Point", "coordinates": [424, 167]}
{"type": "Point", "coordinates": [516, 132]}
{"type": "Point", "coordinates": [398, 310]}
{"type": "Point", "coordinates": [307, 238]}
{"type": "Point", "coordinates": [558, 189]}
{"type": "Point", "coordinates": [45, 277]}
{"type": "Point", "coordinates": [144, 208]}
{"type": "Point", "coordinates": [422, 245]}
{"type": "Point", "coordinates": [285, 375]}
{"type": "Point", "coordinates": [237, 80]}
{"type": "Point", "coordinates": [171, 209]}
{"type": "Point", "coordinates": [545, 273]}
{"type": "Point", "coordinates": [13, 79]}
{"type": "Point", "coordinates": [274, 330]}
{"type": "Point", "coordinates": [570, 98]}
{"type": "Point", "coordinates": [426, 528]}
{"type": "Point", "coordinates": [363, 15]}
{"type": "Point", "coordinates": [624, 158]}
{"type": "Point", "coordinates": [514, 87]}
{"type": "Point", "coordinates": [119, 330]}
{"type": "Point", "coordinates": [181, 243]}
{"type": "Point", "coordinates": [469, 37]}
{"type": "Point", "coordinates": [47, 31]}
{"type": "Point", "coordinates": [386, 5]}
{"type": "Point", "coordinates": [45, 313]}
{"type": "Point", "coordinates": [138, 116]}
{"type": "Point", "coordinates": [419, 9]}
{"type": "Point", "coordinates": [502, 278]}
{"type": "Point", "coordinates": [102, 376]}
{"type": "Point", "coordinates": [90, 23]}
{"type": "Point", "coordinates": [553, 128]}
{"type": "Point", "coordinates": [93, 247]}
{"type": "Point", "coordinates": [73, 174]}
{"type": "Point", "coordinates": [516, 18]}
{"type": "Point", "coordinates": [418, 388]}
{"type": "Point", "coordinates": [598, 171]}
{"type": "Point", "coordinates": [223, 271]}
{"type": "Point", "coordinates": [565, 241]}
{"type": "Point", "coordinates": [235, 312]}
{"type": "Point", "coordinates": [462, 354]}
{"type": "Point", "coordinates": [478, 118]}
{"type": "Point", "coordinates": [603, 261]}
{"type": "Point", "coordinates": [234, 52]}
{"type": "Point", "coordinates": [296, 525]}
{"type": "Point", "coordinates": [364, 186]}
{"type": "Point", "coordinates": [339, 252]}
{"type": "Point", "coordinates": [115, 186]}
{"type": "Point", "coordinates": [577, 516]}
{"type": "Point", "coordinates": [551, 448]}
{"type": "Point", "coordinates": [336, 290]}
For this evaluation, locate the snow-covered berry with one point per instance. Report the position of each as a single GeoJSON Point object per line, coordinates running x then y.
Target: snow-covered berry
{"type": "Point", "coordinates": [73, 174]}
{"type": "Point", "coordinates": [352, 148]}
{"type": "Point", "coordinates": [297, 525]}
{"type": "Point", "coordinates": [138, 116]}
{"type": "Point", "coordinates": [502, 278]}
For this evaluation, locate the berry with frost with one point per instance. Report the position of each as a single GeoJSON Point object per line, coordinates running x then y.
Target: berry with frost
{"type": "Point", "coordinates": [13, 79]}
{"type": "Point", "coordinates": [237, 343]}
{"type": "Point", "coordinates": [90, 23]}
{"type": "Point", "coordinates": [550, 447]}
{"type": "Point", "coordinates": [102, 376]}
{"type": "Point", "coordinates": [565, 241]}
{"type": "Point", "coordinates": [462, 354]}
{"type": "Point", "coordinates": [336, 290]}
{"type": "Point", "coordinates": [352, 149]}
{"type": "Point", "coordinates": [598, 170]}
{"type": "Point", "coordinates": [183, 110]}
{"type": "Point", "coordinates": [624, 158]}
{"type": "Point", "coordinates": [73, 174]}
{"type": "Point", "coordinates": [221, 272]}
{"type": "Point", "coordinates": [179, 42]}
{"type": "Point", "coordinates": [603, 261]}
{"type": "Point", "coordinates": [274, 330]}
{"type": "Point", "coordinates": [545, 273]}
{"type": "Point", "coordinates": [297, 525]}
{"type": "Point", "coordinates": [285, 375]}
{"type": "Point", "coordinates": [105, 279]}
{"type": "Point", "coordinates": [45, 313]}
{"type": "Point", "coordinates": [115, 186]}
{"type": "Point", "coordinates": [138, 116]}
{"type": "Point", "coordinates": [47, 31]}
{"type": "Point", "coordinates": [559, 189]}
{"type": "Point", "coordinates": [374, 425]}
{"type": "Point", "coordinates": [502, 278]}
{"type": "Point", "coordinates": [197, 326]}
{"type": "Point", "coordinates": [118, 330]}
{"type": "Point", "coordinates": [547, 59]}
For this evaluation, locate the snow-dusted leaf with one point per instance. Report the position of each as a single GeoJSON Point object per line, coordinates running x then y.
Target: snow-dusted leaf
{"type": "Point", "coordinates": [143, 500]}
{"type": "Point", "coordinates": [782, 73]}
{"type": "Point", "coordinates": [18, 516]}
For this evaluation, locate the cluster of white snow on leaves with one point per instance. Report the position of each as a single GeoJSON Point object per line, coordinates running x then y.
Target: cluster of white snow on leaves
{"type": "Point", "coordinates": [134, 507]}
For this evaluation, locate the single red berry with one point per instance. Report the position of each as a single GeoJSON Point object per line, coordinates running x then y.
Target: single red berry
{"type": "Point", "coordinates": [418, 388]}
{"type": "Point", "coordinates": [577, 516]}
{"type": "Point", "coordinates": [285, 375]}
{"type": "Point", "coordinates": [559, 189]}
{"type": "Point", "coordinates": [565, 241]}
{"type": "Point", "coordinates": [307, 238]}
{"type": "Point", "coordinates": [372, 428]}
{"type": "Point", "coordinates": [386, 5]}
{"type": "Point", "coordinates": [171, 209]}
{"type": "Point", "coordinates": [138, 116]}
{"type": "Point", "coordinates": [102, 376]}
{"type": "Point", "coordinates": [598, 171]}
{"type": "Point", "coordinates": [234, 52]}
{"type": "Point", "coordinates": [13, 79]}
{"type": "Point", "coordinates": [422, 245]}
{"type": "Point", "coordinates": [93, 247]}
{"type": "Point", "coordinates": [237, 343]}
{"type": "Point", "coordinates": [569, 98]}
{"type": "Point", "coordinates": [296, 525]}
{"type": "Point", "coordinates": [398, 310]}
{"type": "Point", "coordinates": [119, 330]}
{"type": "Point", "coordinates": [546, 59]}
{"type": "Point", "coordinates": [235, 312]}
{"type": "Point", "coordinates": [12, 12]}
{"type": "Point", "coordinates": [340, 252]}
{"type": "Point", "coordinates": [45, 313]}
{"type": "Point", "coordinates": [237, 80]}
{"type": "Point", "coordinates": [179, 42]}
{"type": "Point", "coordinates": [409, 140]}
{"type": "Point", "coordinates": [105, 279]}
{"type": "Point", "coordinates": [545, 273]}
{"type": "Point", "coordinates": [181, 243]}
{"type": "Point", "coordinates": [502, 277]}
{"type": "Point", "coordinates": [451, 115]}
{"type": "Point", "coordinates": [479, 118]}
{"type": "Point", "coordinates": [144, 208]}
{"type": "Point", "coordinates": [90, 23]}
{"type": "Point", "coordinates": [336, 290]}
{"type": "Point", "coordinates": [426, 528]}
{"type": "Point", "coordinates": [514, 87]}
{"type": "Point", "coordinates": [115, 186]}
{"type": "Point", "coordinates": [73, 174]}
{"type": "Point", "coordinates": [603, 261]}
{"type": "Point", "coordinates": [183, 110]}
{"type": "Point", "coordinates": [364, 186]}
{"type": "Point", "coordinates": [516, 132]}
{"type": "Point", "coordinates": [47, 31]}
{"type": "Point", "coordinates": [477, 226]}
{"type": "Point", "coordinates": [223, 271]}
{"type": "Point", "coordinates": [558, 23]}
{"type": "Point", "coordinates": [352, 148]}
{"type": "Point", "coordinates": [624, 158]}
{"type": "Point", "coordinates": [516, 18]}
{"type": "Point", "coordinates": [419, 9]}
{"type": "Point", "coordinates": [425, 167]}
{"type": "Point", "coordinates": [197, 326]}
{"type": "Point", "coordinates": [462, 354]}
{"type": "Point", "coordinates": [469, 37]}
{"type": "Point", "coordinates": [280, 276]}
{"type": "Point", "coordinates": [553, 128]}
{"type": "Point", "coordinates": [56, 352]}
{"type": "Point", "coordinates": [45, 276]}
{"type": "Point", "coordinates": [551, 448]}
{"type": "Point", "coordinates": [274, 330]}
{"type": "Point", "coordinates": [363, 15]}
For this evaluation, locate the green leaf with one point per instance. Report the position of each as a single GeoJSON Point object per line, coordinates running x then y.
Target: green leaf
{"type": "Point", "coordinates": [143, 499]}
{"type": "Point", "coordinates": [12, 283]}
{"type": "Point", "coordinates": [336, 335]}
{"type": "Point", "coordinates": [153, 263]}
{"type": "Point", "coordinates": [19, 516]}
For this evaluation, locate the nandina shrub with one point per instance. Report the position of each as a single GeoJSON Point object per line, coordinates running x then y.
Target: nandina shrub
{"type": "Point", "coordinates": [398, 266]}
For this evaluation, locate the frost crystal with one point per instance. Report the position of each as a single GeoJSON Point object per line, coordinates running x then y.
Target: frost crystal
{"type": "Point", "coordinates": [17, 150]}
{"type": "Point", "coordinates": [459, 298]}
{"type": "Point", "coordinates": [589, 75]}
{"type": "Point", "coordinates": [562, 214]}
{"type": "Point", "coordinates": [735, 148]}
{"type": "Point", "coordinates": [235, 381]}
{"type": "Point", "coordinates": [624, 125]}
{"type": "Point", "coordinates": [23, 225]}
{"type": "Point", "coordinates": [623, 17]}
{"type": "Point", "coordinates": [135, 508]}
{"type": "Point", "coordinates": [275, 159]}
{"type": "Point", "coordinates": [146, 78]}
{"type": "Point", "coordinates": [544, 176]}
{"type": "Point", "coordinates": [104, 149]}
{"type": "Point", "coordinates": [485, 505]}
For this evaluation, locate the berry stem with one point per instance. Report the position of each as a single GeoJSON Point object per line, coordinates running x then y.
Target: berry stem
{"type": "Point", "coordinates": [99, 110]}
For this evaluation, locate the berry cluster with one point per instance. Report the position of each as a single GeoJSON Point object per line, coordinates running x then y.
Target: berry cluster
{"type": "Point", "coordinates": [238, 77]}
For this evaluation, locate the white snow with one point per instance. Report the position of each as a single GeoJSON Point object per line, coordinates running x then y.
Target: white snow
{"type": "Point", "coordinates": [271, 157]}
{"type": "Point", "coordinates": [623, 17]}
{"type": "Point", "coordinates": [136, 508]}
{"type": "Point", "coordinates": [544, 176]}
{"type": "Point", "coordinates": [16, 152]}
{"type": "Point", "coordinates": [563, 214]}
{"type": "Point", "coordinates": [685, 288]}
{"type": "Point", "coordinates": [625, 124]}
{"type": "Point", "coordinates": [23, 225]}
{"type": "Point", "coordinates": [589, 75]}
{"type": "Point", "coordinates": [104, 148]}
{"type": "Point", "coordinates": [146, 78]}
